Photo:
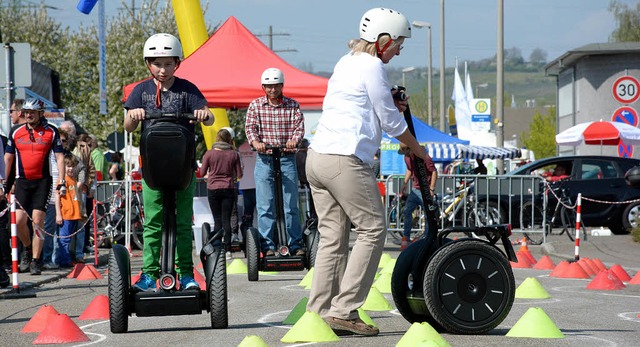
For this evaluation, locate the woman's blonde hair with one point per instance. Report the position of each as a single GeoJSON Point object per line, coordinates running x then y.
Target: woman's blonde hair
{"type": "Point", "coordinates": [362, 46]}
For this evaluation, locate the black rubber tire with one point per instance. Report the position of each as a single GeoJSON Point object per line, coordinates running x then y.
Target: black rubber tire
{"type": "Point", "coordinates": [137, 230]}
{"type": "Point", "coordinates": [402, 280]}
{"type": "Point", "coordinates": [118, 289]}
{"type": "Point", "coordinates": [469, 287]}
{"type": "Point", "coordinates": [253, 254]}
{"type": "Point", "coordinates": [217, 288]}
{"type": "Point", "coordinates": [527, 223]}
{"type": "Point", "coordinates": [629, 218]}
{"type": "Point", "coordinates": [568, 219]}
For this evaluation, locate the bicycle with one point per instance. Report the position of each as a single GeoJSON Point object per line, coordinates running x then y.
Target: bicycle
{"type": "Point", "coordinates": [463, 208]}
{"type": "Point", "coordinates": [532, 216]}
{"type": "Point", "coordinates": [110, 218]}
{"type": "Point", "coordinates": [395, 219]}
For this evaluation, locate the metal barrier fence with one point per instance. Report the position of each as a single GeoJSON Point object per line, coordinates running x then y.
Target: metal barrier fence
{"type": "Point", "coordinates": [473, 200]}
{"type": "Point", "coordinates": [464, 200]}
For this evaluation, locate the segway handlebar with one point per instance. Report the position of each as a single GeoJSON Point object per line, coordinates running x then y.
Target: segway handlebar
{"type": "Point", "coordinates": [171, 116]}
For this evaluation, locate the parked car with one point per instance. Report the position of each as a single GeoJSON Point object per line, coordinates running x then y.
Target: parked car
{"type": "Point", "coordinates": [597, 178]}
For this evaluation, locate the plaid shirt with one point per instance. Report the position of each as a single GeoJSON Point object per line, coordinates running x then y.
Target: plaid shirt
{"type": "Point", "coordinates": [274, 125]}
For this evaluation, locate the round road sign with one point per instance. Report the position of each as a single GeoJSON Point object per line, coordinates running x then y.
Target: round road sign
{"type": "Point", "coordinates": [626, 89]}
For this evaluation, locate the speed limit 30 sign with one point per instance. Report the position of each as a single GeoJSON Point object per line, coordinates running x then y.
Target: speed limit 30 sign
{"type": "Point", "coordinates": [626, 89]}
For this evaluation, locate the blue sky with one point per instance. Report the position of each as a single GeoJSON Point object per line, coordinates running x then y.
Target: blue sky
{"type": "Point", "coordinates": [320, 30]}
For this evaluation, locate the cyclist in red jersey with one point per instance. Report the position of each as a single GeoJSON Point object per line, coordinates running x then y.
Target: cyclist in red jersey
{"type": "Point", "coordinates": [31, 144]}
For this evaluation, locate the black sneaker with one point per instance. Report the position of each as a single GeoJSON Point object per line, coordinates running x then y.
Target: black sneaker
{"type": "Point", "coordinates": [35, 267]}
{"type": "Point", "coordinates": [25, 261]}
{"type": "Point", "coordinates": [4, 279]}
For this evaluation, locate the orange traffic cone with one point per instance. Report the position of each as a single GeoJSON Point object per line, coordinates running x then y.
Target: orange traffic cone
{"type": "Point", "coordinates": [61, 329]}
{"type": "Point", "coordinates": [98, 309]}
{"type": "Point", "coordinates": [545, 263]}
{"type": "Point", "coordinates": [38, 322]}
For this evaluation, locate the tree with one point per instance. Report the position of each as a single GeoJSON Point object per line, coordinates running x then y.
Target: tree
{"type": "Point", "coordinates": [538, 56]}
{"type": "Point", "coordinates": [542, 133]}
{"type": "Point", "coordinates": [628, 21]}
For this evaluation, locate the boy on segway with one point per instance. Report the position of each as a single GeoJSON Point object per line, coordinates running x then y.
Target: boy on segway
{"type": "Point", "coordinates": [166, 93]}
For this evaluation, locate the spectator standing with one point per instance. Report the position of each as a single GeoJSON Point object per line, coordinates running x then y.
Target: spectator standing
{"type": "Point", "coordinates": [480, 169]}
{"type": "Point", "coordinates": [276, 120]}
{"type": "Point", "coordinates": [116, 172]}
{"type": "Point", "coordinates": [102, 170]}
{"type": "Point", "coordinates": [68, 212]}
{"type": "Point", "coordinates": [221, 164]}
{"type": "Point", "coordinates": [31, 144]}
{"type": "Point", "coordinates": [357, 108]}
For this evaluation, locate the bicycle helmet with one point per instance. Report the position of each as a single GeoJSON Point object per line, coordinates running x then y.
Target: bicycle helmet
{"type": "Point", "coordinates": [379, 21]}
{"type": "Point", "coordinates": [33, 104]}
{"type": "Point", "coordinates": [162, 45]}
{"type": "Point", "coordinates": [272, 76]}
{"type": "Point", "coordinates": [231, 132]}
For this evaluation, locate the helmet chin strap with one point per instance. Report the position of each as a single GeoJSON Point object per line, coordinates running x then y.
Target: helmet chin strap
{"type": "Point", "coordinates": [159, 85]}
{"type": "Point", "coordinates": [383, 49]}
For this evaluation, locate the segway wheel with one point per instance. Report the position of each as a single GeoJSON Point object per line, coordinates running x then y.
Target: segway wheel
{"type": "Point", "coordinates": [119, 284]}
{"type": "Point", "coordinates": [217, 288]}
{"type": "Point", "coordinates": [253, 253]}
{"type": "Point", "coordinates": [469, 287]}
{"type": "Point", "coordinates": [407, 286]}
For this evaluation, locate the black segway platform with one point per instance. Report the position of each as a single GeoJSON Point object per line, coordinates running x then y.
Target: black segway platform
{"type": "Point", "coordinates": [282, 260]}
{"type": "Point", "coordinates": [168, 153]}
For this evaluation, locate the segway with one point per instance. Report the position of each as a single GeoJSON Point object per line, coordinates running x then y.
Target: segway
{"type": "Point", "coordinates": [168, 153]}
{"type": "Point", "coordinates": [464, 286]}
{"type": "Point", "coordinates": [283, 260]}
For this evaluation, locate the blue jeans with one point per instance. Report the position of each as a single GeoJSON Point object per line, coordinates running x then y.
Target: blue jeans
{"type": "Point", "coordinates": [50, 247]}
{"type": "Point", "coordinates": [414, 200]}
{"type": "Point", "coordinates": [265, 200]}
{"type": "Point", "coordinates": [64, 256]}
{"type": "Point", "coordinates": [79, 252]}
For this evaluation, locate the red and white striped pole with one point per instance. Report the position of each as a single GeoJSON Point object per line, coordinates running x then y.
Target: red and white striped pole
{"type": "Point", "coordinates": [95, 233]}
{"type": "Point", "coordinates": [14, 244]}
{"type": "Point", "coordinates": [578, 217]}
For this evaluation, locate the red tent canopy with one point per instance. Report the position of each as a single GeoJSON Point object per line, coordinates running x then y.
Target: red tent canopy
{"type": "Point", "coordinates": [228, 66]}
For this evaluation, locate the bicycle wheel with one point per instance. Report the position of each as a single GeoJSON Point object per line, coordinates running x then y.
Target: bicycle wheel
{"type": "Point", "coordinates": [531, 219]}
{"type": "Point", "coordinates": [568, 219]}
{"type": "Point", "coordinates": [395, 219]}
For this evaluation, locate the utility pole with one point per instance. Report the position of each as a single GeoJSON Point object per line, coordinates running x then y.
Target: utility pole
{"type": "Point", "coordinates": [271, 35]}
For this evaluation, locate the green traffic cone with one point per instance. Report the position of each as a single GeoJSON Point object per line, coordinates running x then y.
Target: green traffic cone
{"type": "Point", "coordinates": [310, 328]}
{"type": "Point", "coordinates": [365, 317]}
{"type": "Point", "coordinates": [253, 341]}
{"type": "Point", "coordinates": [388, 267]}
{"type": "Point", "coordinates": [384, 259]}
{"type": "Point", "coordinates": [422, 334]}
{"type": "Point", "coordinates": [383, 283]}
{"type": "Point", "coordinates": [531, 289]}
{"type": "Point", "coordinates": [297, 312]}
{"type": "Point", "coordinates": [306, 280]}
{"type": "Point", "coordinates": [536, 324]}
{"type": "Point", "coordinates": [236, 267]}
{"type": "Point", "coordinates": [376, 302]}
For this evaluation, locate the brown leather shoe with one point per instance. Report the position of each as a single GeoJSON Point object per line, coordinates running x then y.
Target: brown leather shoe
{"type": "Point", "coordinates": [353, 326]}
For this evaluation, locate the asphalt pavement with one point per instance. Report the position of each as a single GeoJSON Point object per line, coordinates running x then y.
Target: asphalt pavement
{"type": "Point", "coordinates": [585, 317]}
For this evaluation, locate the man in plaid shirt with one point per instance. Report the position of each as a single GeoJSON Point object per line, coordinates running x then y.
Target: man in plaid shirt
{"type": "Point", "coordinates": [276, 120]}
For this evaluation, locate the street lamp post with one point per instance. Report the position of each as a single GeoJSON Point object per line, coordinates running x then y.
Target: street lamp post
{"type": "Point", "coordinates": [404, 71]}
{"type": "Point", "coordinates": [421, 24]}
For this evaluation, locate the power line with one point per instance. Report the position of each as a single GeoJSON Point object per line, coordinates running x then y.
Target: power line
{"type": "Point", "coordinates": [271, 34]}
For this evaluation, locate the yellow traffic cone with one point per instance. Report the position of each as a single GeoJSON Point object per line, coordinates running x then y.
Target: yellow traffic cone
{"type": "Point", "coordinates": [297, 312]}
{"type": "Point", "coordinates": [531, 289]}
{"type": "Point", "coordinates": [383, 283]}
{"type": "Point", "coordinates": [236, 267]}
{"type": "Point", "coordinates": [306, 280]}
{"type": "Point", "coordinates": [253, 341]}
{"type": "Point", "coordinates": [376, 302]}
{"type": "Point", "coordinates": [384, 259]}
{"type": "Point", "coordinates": [422, 334]}
{"type": "Point", "coordinates": [536, 324]}
{"type": "Point", "coordinates": [310, 328]}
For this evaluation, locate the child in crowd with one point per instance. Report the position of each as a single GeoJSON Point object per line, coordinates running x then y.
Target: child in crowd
{"type": "Point", "coordinates": [67, 211]}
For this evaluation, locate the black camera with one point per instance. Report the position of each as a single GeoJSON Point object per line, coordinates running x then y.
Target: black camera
{"type": "Point", "coordinates": [400, 94]}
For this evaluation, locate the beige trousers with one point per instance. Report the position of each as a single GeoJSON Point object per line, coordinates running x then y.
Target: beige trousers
{"type": "Point", "coordinates": [345, 191]}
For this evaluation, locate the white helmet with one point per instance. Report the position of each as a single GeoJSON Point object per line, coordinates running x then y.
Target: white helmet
{"type": "Point", "coordinates": [231, 132]}
{"type": "Point", "coordinates": [384, 21]}
{"type": "Point", "coordinates": [33, 104]}
{"type": "Point", "coordinates": [162, 45]}
{"type": "Point", "coordinates": [272, 76]}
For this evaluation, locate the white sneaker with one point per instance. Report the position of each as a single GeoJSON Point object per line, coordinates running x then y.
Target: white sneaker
{"type": "Point", "coordinates": [235, 238]}
{"type": "Point", "coordinates": [228, 255]}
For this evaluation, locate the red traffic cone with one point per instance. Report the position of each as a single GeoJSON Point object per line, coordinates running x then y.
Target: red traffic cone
{"type": "Point", "coordinates": [635, 279]}
{"type": "Point", "coordinates": [560, 269]}
{"type": "Point", "coordinates": [599, 264]}
{"type": "Point", "coordinates": [605, 280]}
{"type": "Point", "coordinates": [38, 322]}
{"type": "Point", "coordinates": [98, 309]}
{"type": "Point", "coordinates": [545, 263]}
{"type": "Point", "coordinates": [86, 274]}
{"type": "Point", "coordinates": [61, 329]}
{"type": "Point", "coordinates": [620, 272]}
{"type": "Point", "coordinates": [76, 270]}
{"type": "Point", "coordinates": [586, 267]}
{"type": "Point", "coordinates": [575, 271]}
{"type": "Point", "coordinates": [523, 261]}
{"type": "Point", "coordinates": [593, 265]}
{"type": "Point", "coordinates": [200, 279]}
